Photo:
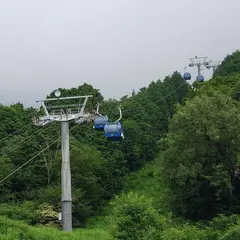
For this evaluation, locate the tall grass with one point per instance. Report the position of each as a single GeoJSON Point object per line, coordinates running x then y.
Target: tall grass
{"type": "Point", "coordinates": [16, 230]}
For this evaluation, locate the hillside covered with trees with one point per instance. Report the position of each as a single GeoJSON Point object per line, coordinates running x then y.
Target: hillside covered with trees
{"type": "Point", "coordinates": [176, 175]}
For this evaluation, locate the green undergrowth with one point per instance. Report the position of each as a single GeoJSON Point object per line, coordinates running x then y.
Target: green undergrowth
{"type": "Point", "coordinates": [16, 230]}
{"type": "Point", "coordinates": [140, 206]}
{"type": "Point", "coordinates": [147, 182]}
{"type": "Point", "coordinates": [146, 186]}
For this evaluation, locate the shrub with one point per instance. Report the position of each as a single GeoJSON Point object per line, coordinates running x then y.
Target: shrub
{"type": "Point", "coordinates": [184, 233]}
{"type": "Point", "coordinates": [232, 234]}
{"type": "Point", "coordinates": [25, 211]}
{"type": "Point", "coordinates": [135, 218]}
{"type": "Point", "coordinates": [220, 225]}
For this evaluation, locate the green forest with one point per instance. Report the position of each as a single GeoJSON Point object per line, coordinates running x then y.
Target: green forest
{"type": "Point", "coordinates": [175, 176]}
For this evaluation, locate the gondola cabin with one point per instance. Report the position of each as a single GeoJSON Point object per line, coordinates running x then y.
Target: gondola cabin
{"type": "Point", "coordinates": [99, 122]}
{"type": "Point", "coordinates": [113, 131]}
{"type": "Point", "coordinates": [200, 78]}
{"type": "Point", "coordinates": [187, 76]}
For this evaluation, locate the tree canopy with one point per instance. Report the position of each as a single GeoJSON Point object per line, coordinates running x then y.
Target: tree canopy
{"type": "Point", "coordinates": [230, 65]}
{"type": "Point", "coordinates": [190, 131]}
{"type": "Point", "coordinates": [98, 166]}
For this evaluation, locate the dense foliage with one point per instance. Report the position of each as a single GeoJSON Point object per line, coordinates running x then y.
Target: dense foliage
{"type": "Point", "coordinates": [136, 218]}
{"type": "Point", "coordinates": [98, 167]}
{"type": "Point", "coordinates": [202, 156]}
{"type": "Point", "coordinates": [175, 172]}
{"type": "Point", "coordinates": [230, 65]}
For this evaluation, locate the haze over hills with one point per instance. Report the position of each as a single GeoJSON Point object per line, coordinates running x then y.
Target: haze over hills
{"type": "Point", "coordinates": [29, 95]}
{"type": "Point", "coordinates": [115, 46]}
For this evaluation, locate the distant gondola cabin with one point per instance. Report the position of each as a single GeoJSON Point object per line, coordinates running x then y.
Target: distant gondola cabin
{"type": "Point", "coordinates": [200, 78]}
{"type": "Point", "coordinates": [187, 76]}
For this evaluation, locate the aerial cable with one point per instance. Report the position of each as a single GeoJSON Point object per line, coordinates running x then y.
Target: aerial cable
{"type": "Point", "coordinates": [209, 71]}
{"type": "Point", "coordinates": [161, 99]}
{"type": "Point", "coordinates": [26, 140]}
{"type": "Point", "coordinates": [3, 127]}
{"type": "Point", "coordinates": [13, 122]}
{"type": "Point", "coordinates": [170, 93]}
{"type": "Point", "coordinates": [42, 130]}
{"type": "Point", "coordinates": [13, 133]}
{"type": "Point", "coordinates": [31, 159]}
{"type": "Point", "coordinates": [111, 135]}
{"type": "Point", "coordinates": [17, 131]}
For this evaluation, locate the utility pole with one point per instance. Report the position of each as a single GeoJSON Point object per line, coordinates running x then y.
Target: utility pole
{"type": "Point", "coordinates": [198, 61]}
{"type": "Point", "coordinates": [64, 114]}
{"type": "Point", "coordinates": [213, 65]}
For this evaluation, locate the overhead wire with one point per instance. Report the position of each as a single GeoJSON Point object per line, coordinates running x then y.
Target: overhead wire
{"type": "Point", "coordinates": [209, 71]}
{"type": "Point", "coordinates": [6, 152]}
{"type": "Point", "coordinates": [42, 130]}
{"type": "Point", "coordinates": [31, 159]}
{"type": "Point", "coordinates": [9, 122]}
{"type": "Point", "coordinates": [163, 98]}
{"type": "Point", "coordinates": [15, 132]}
{"type": "Point", "coordinates": [36, 155]}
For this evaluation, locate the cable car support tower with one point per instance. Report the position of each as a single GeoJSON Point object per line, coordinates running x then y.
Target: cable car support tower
{"type": "Point", "coordinates": [64, 114]}
{"type": "Point", "coordinates": [213, 65]}
{"type": "Point", "coordinates": [198, 61]}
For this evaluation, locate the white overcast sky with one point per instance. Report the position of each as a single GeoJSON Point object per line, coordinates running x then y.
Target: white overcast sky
{"type": "Point", "coordinates": [115, 45]}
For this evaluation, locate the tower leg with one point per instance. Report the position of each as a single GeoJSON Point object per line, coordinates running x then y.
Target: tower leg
{"type": "Point", "coordinates": [66, 180]}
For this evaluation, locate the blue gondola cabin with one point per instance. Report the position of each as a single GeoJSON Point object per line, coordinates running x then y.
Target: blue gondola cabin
{"type": "Point", "coordinates": [113, 131]}
{"type": "Point", "coordinates": [99, 122]}
{"type": "Point", "coordinates": [187, 76]}
{"type": "Point", "coordinates": [200, 78]}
